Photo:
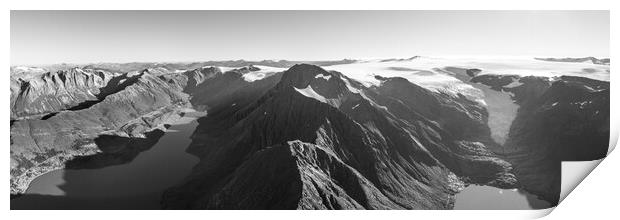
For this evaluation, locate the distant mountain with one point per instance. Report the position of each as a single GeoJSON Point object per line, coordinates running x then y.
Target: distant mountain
{"type": "Point", "coordinates": [593, 60]}
{"type": "Point", "coordinates": [170, 66]}
{"type": "Point", "coordinates": [50, 92]}
{"type": "Point", "coordinates": [402, 59]}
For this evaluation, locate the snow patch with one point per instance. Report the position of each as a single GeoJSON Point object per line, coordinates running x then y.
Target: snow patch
{"type": "Point", "coordinates": [514, 84]}
{"type": "Point", "coordinates": [482, 102]}
{"type": "Point", "coordinates": [224, 69]}
{"type": "Point", "coordinates": [323, 76]}
{"type": "Point", "coordinates": [310, 93]}
{"type": "Point", "coordinates": [582, 104]}
{"type": "Point", "coordinates": [265, 71]}
{"type": "Point", "coordinates": [349, 86]}
{"type": "Point", "coordinates": [592, 89]}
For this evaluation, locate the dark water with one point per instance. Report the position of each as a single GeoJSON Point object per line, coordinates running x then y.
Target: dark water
{"type": "Point", "coordinates": [486, 197]}
{"type": "Point", "coordinates": [126, 179]}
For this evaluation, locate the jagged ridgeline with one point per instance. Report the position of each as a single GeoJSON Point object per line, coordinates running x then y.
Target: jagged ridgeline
{"type": "Point", "coordinates": [297, 136]}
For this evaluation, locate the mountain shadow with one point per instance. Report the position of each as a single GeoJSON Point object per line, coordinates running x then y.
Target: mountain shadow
{"type": "Point", "coordinates": [115, 150]}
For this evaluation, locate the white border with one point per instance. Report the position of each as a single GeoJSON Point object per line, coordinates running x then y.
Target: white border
{"type": "Point", "coordinates": [595, 197]}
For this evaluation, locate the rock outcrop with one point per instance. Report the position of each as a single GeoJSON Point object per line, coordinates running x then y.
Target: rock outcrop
{"type": "Point", "coordinates": [52, 92]}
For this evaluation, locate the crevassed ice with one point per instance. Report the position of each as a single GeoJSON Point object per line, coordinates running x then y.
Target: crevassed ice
{"type": "Point", "coordinates": [365, 73]}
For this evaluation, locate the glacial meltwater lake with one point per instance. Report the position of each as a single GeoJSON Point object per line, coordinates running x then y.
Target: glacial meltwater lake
{"type": "Point", "coordinates": [476, 197]}
{"type": "Point", "coordinates": [133, 180]}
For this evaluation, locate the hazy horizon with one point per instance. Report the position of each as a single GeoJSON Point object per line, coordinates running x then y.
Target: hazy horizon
{"type": "Point", "coordinates": [81, 37]}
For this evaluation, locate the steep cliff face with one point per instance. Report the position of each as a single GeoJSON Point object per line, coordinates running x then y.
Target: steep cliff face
{"type": "Point", "coordinates": [559, 119]}
{"type": "Point", "coordinates": [318, 140]}
{"type": "Point", "coordinates": [132, 105]}
{"type": "Point", "coordinates": [51, 92]}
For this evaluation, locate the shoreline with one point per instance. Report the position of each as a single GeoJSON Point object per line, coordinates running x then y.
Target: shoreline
{"type": "Point", "coordinates": [19, 184]}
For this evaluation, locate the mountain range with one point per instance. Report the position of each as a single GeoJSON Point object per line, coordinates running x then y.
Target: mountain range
{"type": "Point", "coordinates": [350, 134]}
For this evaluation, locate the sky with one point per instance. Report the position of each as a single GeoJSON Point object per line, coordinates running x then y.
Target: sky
{"type": "Point", "coordinates": [50, 37]}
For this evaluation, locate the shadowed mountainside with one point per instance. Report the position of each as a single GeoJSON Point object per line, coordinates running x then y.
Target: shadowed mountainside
{"type": "Point", "coordinates": [318, 140]}
{"type": "Point", "coordinates": [559, 119]}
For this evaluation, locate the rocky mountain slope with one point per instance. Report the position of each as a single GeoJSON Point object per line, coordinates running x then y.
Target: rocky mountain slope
{"type": "Point", "coordinates": [124, 105]}
{"type": "Point", "coordinates": [318, 140]}
{"type": "Point", "coordinates": [51, 92]}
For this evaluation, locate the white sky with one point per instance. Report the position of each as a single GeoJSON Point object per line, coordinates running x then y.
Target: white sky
{"type": "Point", "coordinates": [46, 37]}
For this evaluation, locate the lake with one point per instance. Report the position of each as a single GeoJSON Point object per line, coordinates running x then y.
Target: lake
{"type": "Point", "coordinates": [130, 179]}
{"type": "Point", "coordinates": [476, 197]}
